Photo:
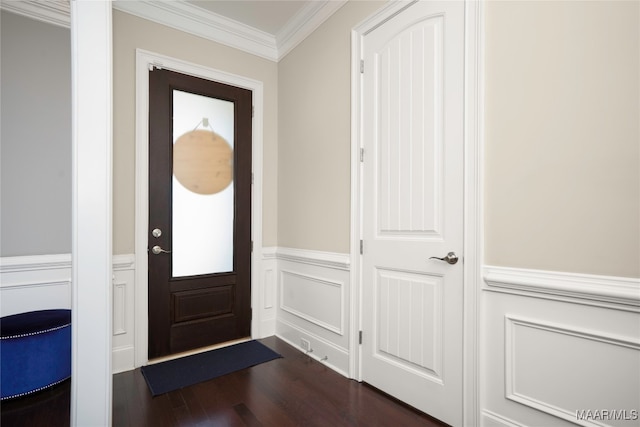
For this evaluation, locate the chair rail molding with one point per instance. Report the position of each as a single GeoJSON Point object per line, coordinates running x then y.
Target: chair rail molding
{"type": "Point", "coordinates": [16, 264]}
{"type": "Point", "coordinates": [603, 291]}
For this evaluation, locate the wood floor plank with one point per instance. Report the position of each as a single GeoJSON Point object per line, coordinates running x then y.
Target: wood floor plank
{"type": "Point", "coordinates": [295, 390]}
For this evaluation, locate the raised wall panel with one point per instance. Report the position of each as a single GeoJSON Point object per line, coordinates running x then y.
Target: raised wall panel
{"type": "Point", "coordinates": [266, 296]}
{"type": "Point", "coordinates": [409, 321]}
{"type": "Point", "coordinates": [123, 315]}
{"type": "Point", "coordinates": [119, 308]}
{"type": "Point", "coordinates": [559, 369]}
{"type": "Point", "coordinates": [555, 343]}
{"type": "Point", "coordinates": [314, 299]}
{"type": "Point", "coordinates": [269, 288]}
{"type": "Point", "coordinates": [410, 133]}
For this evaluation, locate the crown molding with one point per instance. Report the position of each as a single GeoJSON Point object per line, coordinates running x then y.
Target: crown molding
{"type": "Point", "coordinates": [195, 20]}
{"type": "Point", "coordinates": [200, 22]}
{"type": "Point", "coordinates": [305, 22]}
{"type": "Point", "coordinates": [56, 12]}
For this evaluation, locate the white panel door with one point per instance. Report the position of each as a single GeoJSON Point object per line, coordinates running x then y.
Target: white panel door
{"type": "Point", "coordinates": [412, 106]}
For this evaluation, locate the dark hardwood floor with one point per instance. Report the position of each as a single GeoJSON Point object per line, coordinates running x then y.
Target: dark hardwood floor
{"type": "Point", "coordinates": [293, 391]}
{"type": "Point", "coordinates": [49, 407]}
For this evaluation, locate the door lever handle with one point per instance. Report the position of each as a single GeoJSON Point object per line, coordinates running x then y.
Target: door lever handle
{"type": "Point", "coordinates": [157, 250]}
{"type": "Point", "coordinates": [450, 258]}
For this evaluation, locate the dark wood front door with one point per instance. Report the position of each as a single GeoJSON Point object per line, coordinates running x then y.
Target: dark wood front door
{"type": "Point", "coordinates": [199, 237]}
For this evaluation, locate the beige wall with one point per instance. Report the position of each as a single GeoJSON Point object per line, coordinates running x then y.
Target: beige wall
{"type": "Point", "coordinates": [562, 142]}
{"type": "Point", "coordinates": [314, 130]}
{"type": "Point", "coordinates": [35, 148]}
{"type": "Point", "coordinates": [562, 136]}
{"type": "Point", "coordinates": [129, 33]}
{"type": "Point", "coordinates": [562, 160]}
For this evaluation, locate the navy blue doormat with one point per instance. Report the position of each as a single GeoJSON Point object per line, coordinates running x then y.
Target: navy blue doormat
{"type": "Point", "coordinates": [174, 374]}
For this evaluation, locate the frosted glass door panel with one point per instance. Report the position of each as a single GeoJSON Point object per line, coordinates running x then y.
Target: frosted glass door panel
{"type": "Point", "coordinates": [203, 190]}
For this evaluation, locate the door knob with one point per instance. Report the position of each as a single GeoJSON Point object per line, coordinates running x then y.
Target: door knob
{"type": "Point", "coordinates": [157, 250]}
{"type": "Point", "coordinates": [156, 233]}
{"type": "Point", "coordinates": [450, 258]}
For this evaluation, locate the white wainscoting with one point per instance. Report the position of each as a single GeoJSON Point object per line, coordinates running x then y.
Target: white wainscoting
{"type": "Point", "coordinates": [267, 300]}
{"type": "Point", "coordinates": [554, 343]}
{"type": "Point", "coordinates": [123, 340]}
{"type": "Point", "coordinates": [313, 303]}
{"type": "Point", "coordinates": [37, 282]}
{"type": "Point", "coordinates": [42, 282]}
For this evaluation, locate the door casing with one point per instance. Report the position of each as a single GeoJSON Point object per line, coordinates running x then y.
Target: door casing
{"type": "Point", "coordinates": [473, 155]}
{"type": "Point", "coordinates": [144, 60]}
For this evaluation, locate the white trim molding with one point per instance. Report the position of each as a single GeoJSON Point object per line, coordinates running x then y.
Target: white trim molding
{"type": "Point", "coordinates": [43, 282]}
{"type": "Point", "coordinates": [305, 22]}
{"type": "Point", "coordinates": [585, 288]}
{"type": "Point", "coordinates": [220, 29]}
{"type": "Point", "coordinates": [313, 282]}
{"type": "Point", "coordinates": [201, 22]}
{"type": "Point", "coordinates": [518, 381]}
{"type": "Point", "coordinates": [17, 264]}
{"type": "Point", "coordinates": [55, 12]}
{"type": "Point", "coordinates": [312, 291]}
{"type": "Point", "coordinates": [491, 419]}
{"type": "Point", "coordinates": [318, 258]}
{"type": "Point", "coordinates": [34, 282]}
{"type": "Point", "coordinates": [321, 349]}
{"type": "Point", "coordinates": [123, 340]}
{"type": "Point", "coordinates": [92, 211]}
{"type": "Point", "coordinates": [195, 20]}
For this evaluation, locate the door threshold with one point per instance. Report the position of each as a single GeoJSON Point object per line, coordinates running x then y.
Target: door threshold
{"type": "Point", "coordinates": [197, 351]}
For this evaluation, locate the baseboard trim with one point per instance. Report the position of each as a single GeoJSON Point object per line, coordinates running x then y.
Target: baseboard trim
{"type": "Point", "coordinates": [122, 359]}
{"type": "Point", "coordinates": [491, 419]}
{"type": "Point", "coordinates": [326, 352]}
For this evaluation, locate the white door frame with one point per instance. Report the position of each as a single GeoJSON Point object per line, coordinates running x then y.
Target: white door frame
{"type": "Point", "coordinates": [473, 157]}
{"type": "Point", "coordinates": [145, 60]}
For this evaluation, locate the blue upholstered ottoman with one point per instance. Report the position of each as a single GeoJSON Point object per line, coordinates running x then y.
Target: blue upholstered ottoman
{"type": "Point", "coordinates": [35, 351]}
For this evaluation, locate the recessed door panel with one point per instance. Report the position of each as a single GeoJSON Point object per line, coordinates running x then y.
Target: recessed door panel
{"type": "Point", "coordinates": [408, 321]}
{"type": "Point", "coordinates": [409, 89]}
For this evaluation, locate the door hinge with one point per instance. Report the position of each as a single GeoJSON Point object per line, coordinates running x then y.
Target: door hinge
{"type": "Point", "coordinates": [362, 155]}
{"type": "Point", "coordinates": [252, 246]}
{"type": "Point", "coordinates": [253, 111]}
{"type": "Point", "coordinates": [360, 337]}
{"type": "Point", "coordinates": [252, 178]}
{"type": "Point", "coordinates": [361, 247]}
{"type": "Point", "coordinates": [362, 66]}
